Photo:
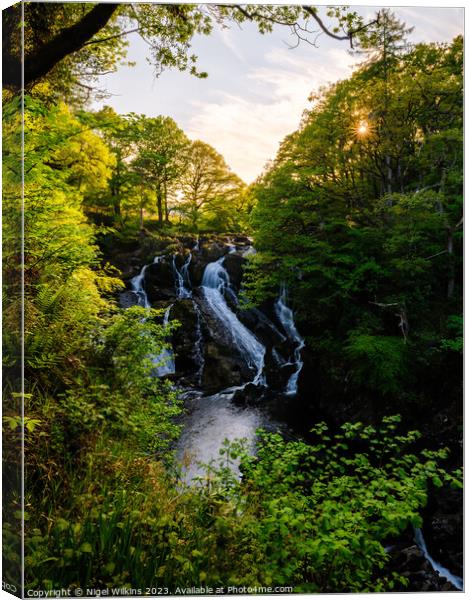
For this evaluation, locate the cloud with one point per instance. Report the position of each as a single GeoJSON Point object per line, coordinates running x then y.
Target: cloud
{"type": "Point", "coordinates": [226, 36]}
{"type": "Point", "coordinates": [247, 130]}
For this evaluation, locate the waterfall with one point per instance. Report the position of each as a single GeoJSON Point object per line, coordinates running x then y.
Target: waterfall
{"type": "Point", "coordinates": [199, 346]}
{"type": "Point", "coordinates": [286, 317]}
{"type": "Point", "coordinates": [215, 282]}
{"type": "Point", "coordinates": [165, 361]}
{"type": "Point", "coordinates": [182, 283]}
{"type": "Point", "coordinates": [137, 284]}
{"type": "Point", "coordinates": [443, 572]}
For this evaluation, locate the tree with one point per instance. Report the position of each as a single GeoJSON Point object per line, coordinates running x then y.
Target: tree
{"type": "Point", "coordinates": [117, 132]}
{"type": "Point", "coordinates": [205, 182]}
{"type": "Point", "coordinates": [388, 263]}
{"type": "Point", "coordinates": [161, 155]}
{"type": "Point", "coordinates": [73, 43]}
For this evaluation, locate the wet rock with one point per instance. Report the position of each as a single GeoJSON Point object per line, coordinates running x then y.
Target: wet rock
{"type": "Point", "coordinates": [223, 365]}
{"type": "Point", "coordinates": [250, 395]}
{"type": "Point", "coordinates": [160, 281]}
{"type": "Point", "coordinates": [185, 339]}
{"type": "Point", "coordinates": [221, 368]}
{"type": "Point", "coordinates": [234, 266]}
{"type": "Point", "coordinates": [443, 527]}
{"type": "Point", "coordinates": [408, 560]}
{"type": "Point", "coordinates": [128, 299]}
{"type": "Point", "coordinates": [263, 327]}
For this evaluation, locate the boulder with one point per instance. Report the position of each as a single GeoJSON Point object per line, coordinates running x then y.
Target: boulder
{"type": "Point", "coordinates": [128, 299]}
{"type": "Point", "coordinates": [160, 281]}
{"type": "Point", "coordinates": [410, 562]}
{"type": "Point", "coordinates": [234, 266]}
{"type": "Point", "coordinates": [223, 365]}
{"type": "Point", "coordinates": [249, 395]}
{"type": "Point", "coordinates": [263, 327]}
{"type": "Point", "coordinates": [186, 344]}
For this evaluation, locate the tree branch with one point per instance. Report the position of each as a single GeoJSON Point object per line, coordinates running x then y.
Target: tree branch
{"type": "Point", "coordinates": [350, 34]}
{"type": "Point", "coordinates": [111, 37]}
{"type": "Point", "coordinates": [69, 40]}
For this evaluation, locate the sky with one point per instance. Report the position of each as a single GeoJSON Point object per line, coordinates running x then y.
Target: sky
{"type": "Point", "coordinates": [258, 86]}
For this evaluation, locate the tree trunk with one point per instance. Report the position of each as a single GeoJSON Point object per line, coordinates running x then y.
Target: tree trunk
{"type": "Point", "coordinates": [160, 206]}
{"type": "Point", "coordinates": [165, 192]}
{"type": "Point", "coordinates": [69, 40]}
{"type": "Point", "coordinates": [116, 200]}
{"type": "Point", "coordinates": [389, 174]}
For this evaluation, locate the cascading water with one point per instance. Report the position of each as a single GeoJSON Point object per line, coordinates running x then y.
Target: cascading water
{"type": "Point", "coordinates": [137, 284]}
{"type": "Point", "coordinates": [215, 282]}
{"type": "Point", "coordinates": [443, 572]}
{"type": "Point", "coordinates": [182, 283]}
{"type": "Point", "coordinates": [212, 419]}
{"type": "Point", "coordinates": [165, 361]}
{"type": "Point", "coordinates": [286, 317]}
{"type": "Point", "coordinates": [199, 346]}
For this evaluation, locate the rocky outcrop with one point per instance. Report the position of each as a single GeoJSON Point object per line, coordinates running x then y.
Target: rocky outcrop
{"type": "Point", "coordinates": [185, 341]}
{"type": "Point", "coordinates": [160, 281]}
{"type": "Point", "coordinates": [234, 265]}
{"type": "Point", "coordinates": [223, 366]}
{"type": "Point", "coordinates": [443, 527]}
{"type": "Point", "coordinates": [410, 562]}
{"type": "Point", "coordinates": [128, 299]}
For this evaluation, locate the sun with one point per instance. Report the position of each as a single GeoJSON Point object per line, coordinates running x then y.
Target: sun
{"type": "Point", "coordinates": [362, 128]}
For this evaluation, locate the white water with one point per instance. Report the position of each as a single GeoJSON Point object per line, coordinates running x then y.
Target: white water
{"type": "Point", "coordinates": [182, 283]}
{"type": "Point", "coordinates": [443, 572]}
{"type": "Point", "coordinates": [215, 282]}
{"type": "Point", "coordinates": [165, 361]}
{"type": "Point", "coordinates": [211, 420]}
{"type": "Point", "coordinates": [137, 284]}
{"type": "Point", "coordinates": [199, 346]}
{"type": "Point", "coordinates": [286, 317]}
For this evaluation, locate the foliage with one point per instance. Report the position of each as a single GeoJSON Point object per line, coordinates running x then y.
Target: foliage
{"type": "Point", "coordinates": [324, 510]}
{"type": "Point", "coordinates": [316, 516]}
{"type": "Point", "coordinates": [208, 186]}
{"type": "Point", "coordinates": [69, 46]}
{"type": "Point", "coordinates": [361, 213]}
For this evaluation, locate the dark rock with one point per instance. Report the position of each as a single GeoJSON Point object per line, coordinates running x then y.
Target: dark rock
{"type": "Point", "coordinates": [234, 266]}
{"type": "Point", "coordinates": [128, 299]}
{"type": "Point", "coordinates": [262, 326]}
{"type": "Point", "coordinates": [242, 240]}
{"type": "Point", "coordinates": [410, 562]}
{"type": "Point", "coordinates": [213, 251]}
{"type": "Point", "coordinates": [160, 281]}
{"type": "Point", "coordinates": [223, 365]}
{"type": "Point", "coordinates": [221, 368]}
{"type": "Point", "coordinates": [188, 242]}
{"type": "Point", "coordinates": [185, 339]}
{"type": "Point", "coordinates": [250, 395]}
{"type": "Point", "coordinates": [443, 527]}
